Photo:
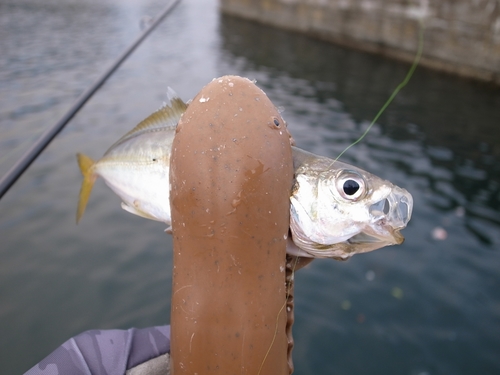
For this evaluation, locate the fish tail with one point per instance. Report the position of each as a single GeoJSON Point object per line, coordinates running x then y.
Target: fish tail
{"type": "Point", "coordinates": [86, 167]}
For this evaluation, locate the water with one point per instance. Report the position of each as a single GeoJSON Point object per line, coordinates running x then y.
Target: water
{"type": "Point", "coordinates": [430, 306]}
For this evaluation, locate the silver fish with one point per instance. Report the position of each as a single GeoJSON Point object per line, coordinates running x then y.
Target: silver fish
{"type": "Point", "coordinates": [336, 210]}
{"type": "Point", "coordinates": [137, 166]}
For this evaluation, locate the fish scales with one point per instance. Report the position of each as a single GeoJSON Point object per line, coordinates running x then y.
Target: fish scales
{"type": "Point", "coordinates": [136, 167]}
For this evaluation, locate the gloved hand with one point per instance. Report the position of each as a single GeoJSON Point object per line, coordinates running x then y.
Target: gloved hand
{"type": "Point", "coordinates": [110, 352]}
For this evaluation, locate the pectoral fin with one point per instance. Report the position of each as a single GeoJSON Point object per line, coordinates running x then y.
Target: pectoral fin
{"type": "Point", "coordinates": [137, 211]}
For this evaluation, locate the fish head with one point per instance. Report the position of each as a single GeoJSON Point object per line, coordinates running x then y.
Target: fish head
{"type": "Point", "coordinates": [338, 210]}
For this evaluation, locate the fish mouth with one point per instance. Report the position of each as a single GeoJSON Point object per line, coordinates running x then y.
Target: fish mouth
{"type": "Point", "coordinates": [384, 236]}
{"type": "Point", "coordinates": [365, 241]}
{"type": "Point", "coordinates": [388, 217]}
{"type": "Point", "coordinates": [391, 214]}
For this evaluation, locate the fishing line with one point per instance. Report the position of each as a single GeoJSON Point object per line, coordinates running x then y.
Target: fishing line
{"type": "Point", "coordinates": [37, 148]}
{"type": "Point", "coordinates": [396, 90]}
{"type": "Point", "coordinates": [384, 107]}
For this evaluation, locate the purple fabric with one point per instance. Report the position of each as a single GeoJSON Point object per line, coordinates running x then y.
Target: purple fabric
{"type": "Point", "coordinates": [105, 352]}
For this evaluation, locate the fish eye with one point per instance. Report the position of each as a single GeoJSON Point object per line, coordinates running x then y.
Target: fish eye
{"type": "Point", "coordinates": [350, 185]}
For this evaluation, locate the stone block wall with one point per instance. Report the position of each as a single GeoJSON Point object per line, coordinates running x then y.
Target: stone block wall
{"type": "Point", "coordinates": [461, 36]}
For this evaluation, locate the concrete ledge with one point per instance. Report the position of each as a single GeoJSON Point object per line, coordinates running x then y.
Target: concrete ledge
{"type": "Point", "coordinates": [461, 37]}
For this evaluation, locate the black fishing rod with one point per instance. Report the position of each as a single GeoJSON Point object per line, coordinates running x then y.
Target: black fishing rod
{"type": "Point", "coordinates": [25, 161]}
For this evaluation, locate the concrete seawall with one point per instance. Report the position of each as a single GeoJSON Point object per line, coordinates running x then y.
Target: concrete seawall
{"type": "Point", "coordinates": [461, 36]}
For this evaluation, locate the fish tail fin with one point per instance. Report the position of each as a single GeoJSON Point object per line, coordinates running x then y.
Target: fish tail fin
{"type": "Point", "coordinates": [85, 163]}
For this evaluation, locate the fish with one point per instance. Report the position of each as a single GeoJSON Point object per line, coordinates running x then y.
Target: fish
{"type": "Point", "coordinates": [336, 210]}
{"type": "Point", "coordinates": [137, 166]}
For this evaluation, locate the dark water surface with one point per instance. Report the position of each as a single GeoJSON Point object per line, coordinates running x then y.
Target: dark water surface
{"type": "Point", "coordinates": [430, 306]}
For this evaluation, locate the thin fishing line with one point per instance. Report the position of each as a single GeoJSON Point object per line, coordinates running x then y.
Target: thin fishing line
{"type": "Point", "coordinates": [384, 107]}
{"type": "Point", "coordinates": [420, 48]}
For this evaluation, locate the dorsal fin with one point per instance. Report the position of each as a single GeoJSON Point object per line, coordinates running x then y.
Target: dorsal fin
{"type": "Point", "coordinates": [167, 116]}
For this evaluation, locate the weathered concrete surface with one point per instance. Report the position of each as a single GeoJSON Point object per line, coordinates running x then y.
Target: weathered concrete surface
{"type": "Point", "coordinates": [461, 36]}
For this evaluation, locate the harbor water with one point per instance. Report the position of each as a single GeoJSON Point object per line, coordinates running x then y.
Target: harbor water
{"type": "Point", "coordinates": [430, 306]}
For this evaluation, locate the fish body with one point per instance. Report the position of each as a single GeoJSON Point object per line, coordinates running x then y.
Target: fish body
{"type": "Point", "coordinates": [336, 210]}
{"type": "Point", "coordinates": [137, 166]}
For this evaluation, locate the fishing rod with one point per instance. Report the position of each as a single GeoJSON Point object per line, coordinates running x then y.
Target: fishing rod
{"type": "Point", "coordinates": [36, 149]}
